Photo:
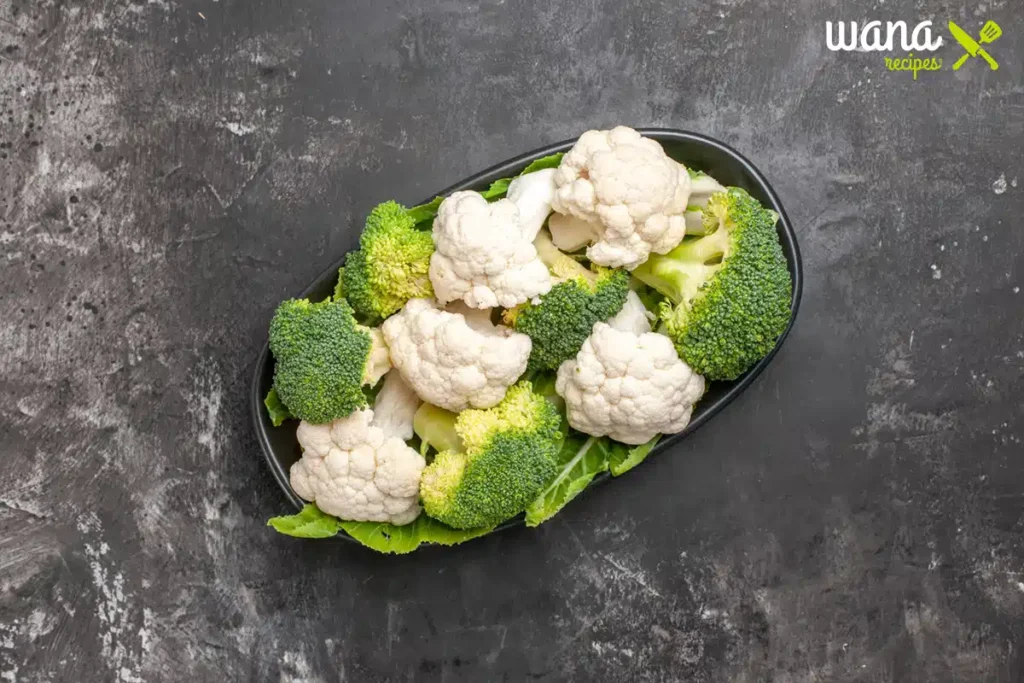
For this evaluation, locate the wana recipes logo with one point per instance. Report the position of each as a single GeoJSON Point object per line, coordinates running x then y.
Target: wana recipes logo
{"type": "Point", "coordinates": [874, 36]}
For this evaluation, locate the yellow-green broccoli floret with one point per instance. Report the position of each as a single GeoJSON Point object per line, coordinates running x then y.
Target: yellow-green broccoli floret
{"type": "Point", "coordinates": [493, 462]}
{"type": "Point", "coordinates": [390, 267]}
{"type": "Point", "coordinates": [322, 359]}
{"type": "Point", "coordinates": [729, 293]}
{"type": "Point", "coordinates": [565, 316]}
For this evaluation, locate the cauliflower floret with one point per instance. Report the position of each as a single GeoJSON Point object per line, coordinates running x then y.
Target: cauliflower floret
{"type": "Point", "coordinates": [453, 362]}
{"type": "Point", "coordinates": [628, 386]}
{"type": "Point", "coordinates": [532, 194]}
{"type": "Point", "coordinates": [628, 184]}
{"type": "Point", "coordinates": [354, 470]}
{"type": "Point", "coordinates": [482, 256]}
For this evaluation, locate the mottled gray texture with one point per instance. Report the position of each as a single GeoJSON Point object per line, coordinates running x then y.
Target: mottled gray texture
{"type": "Point", "coordinates": [170, 169]}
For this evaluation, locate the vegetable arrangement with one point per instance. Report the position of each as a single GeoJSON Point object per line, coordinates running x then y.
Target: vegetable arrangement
{"type": "Point", "coordinates": [487, 354]}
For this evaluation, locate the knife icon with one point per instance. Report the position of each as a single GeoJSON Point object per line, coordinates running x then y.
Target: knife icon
{"type": "Point", "coordinates": [989, 33]}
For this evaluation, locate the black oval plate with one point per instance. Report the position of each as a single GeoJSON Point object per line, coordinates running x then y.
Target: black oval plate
{"type": "Point", "coordinates": [729, 167]}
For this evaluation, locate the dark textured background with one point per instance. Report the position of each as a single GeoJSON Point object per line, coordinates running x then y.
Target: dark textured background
{"type": "Point", "coordinates": [170, 169]}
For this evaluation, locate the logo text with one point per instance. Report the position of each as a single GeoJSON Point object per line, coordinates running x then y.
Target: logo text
{"type": "Point", "coordinates": [872, 38]}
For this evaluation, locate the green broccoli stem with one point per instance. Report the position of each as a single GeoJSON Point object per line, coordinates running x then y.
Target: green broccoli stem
{"type": "Point", "coordinates": [681, 272]}
{"type": "Point", "coordinates": [679, 281]}
{"type": "Point", "coordinates": [706, 250]}
{"type": "Point", "coordinates": [436, 427]}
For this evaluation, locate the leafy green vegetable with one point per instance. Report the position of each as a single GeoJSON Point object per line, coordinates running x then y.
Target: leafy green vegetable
{"type": "Point", "coordinates": [275, 409]}
{"type": "Point", "coordinates": [622, 458]}
{"type": "Point", "coordinates": [544, 384]}
{"type": "Point", "coordinates": [497, 190]}
{"type": "Point", "coordinates": [310, 523]}
{"type": "Point", "coordinates": [399, 540]}
{"type": "Point", "coordinates": [581, 459]}
{"type": "Point", "coordinates": [426, 212]}
{"type": "Point", "coordinates": [550, 161]}
{"type": "Point", "coordinates": [379, 536]}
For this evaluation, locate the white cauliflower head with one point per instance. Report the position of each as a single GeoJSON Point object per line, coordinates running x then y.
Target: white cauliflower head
{"type": "Point", "coordinates": [628, 184]}
{"type": "Point", "coordinates": [353, 470]}
{"type": "Point", "coordinates": [453, 362]}
{"type": "Point", "coordinates": [628, 386]}
{"type": "Point", "coordinates": [482, 256]}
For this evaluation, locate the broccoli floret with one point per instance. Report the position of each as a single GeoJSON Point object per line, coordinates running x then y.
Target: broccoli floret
{"type": "Point", "coordinates": [323, 358]}
{"type": "Point", "coordinates": [390, 267]}
{"type": "Point", "coordinates": [497, 462]}
{"type": "Point", "coordinates": [563, 319]}
{"type": "Point", "coordinates": [729, 293]}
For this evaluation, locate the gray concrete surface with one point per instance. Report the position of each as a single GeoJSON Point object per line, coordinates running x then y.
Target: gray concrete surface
{"type": "Point", "coordinates": [170, 169]}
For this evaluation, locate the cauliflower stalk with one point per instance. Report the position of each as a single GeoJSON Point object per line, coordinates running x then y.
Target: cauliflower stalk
{"type": "Point", "coordinates": [627, 184]}
{"type": "Point", "coordinates": [455, 360]}
{"type": "Point", "coordinates": [482, 256]}
{"type": "Point", "coordinates": [633, 317]}
{"type": "Point", "coordinates": [532, 194]}
{"type": "Point", "coordinates": [395, 406]}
